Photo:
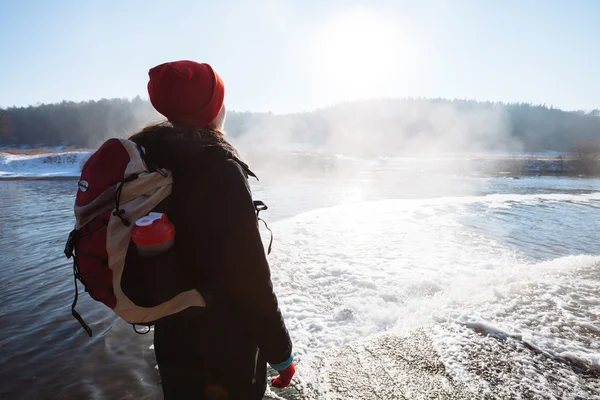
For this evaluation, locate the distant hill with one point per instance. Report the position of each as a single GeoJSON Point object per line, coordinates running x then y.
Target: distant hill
{"type": "Point", "coordinates": [370, 127]}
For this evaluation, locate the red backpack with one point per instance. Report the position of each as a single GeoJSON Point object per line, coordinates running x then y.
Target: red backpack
{"type": "Point", "coordinates": [117, 187]}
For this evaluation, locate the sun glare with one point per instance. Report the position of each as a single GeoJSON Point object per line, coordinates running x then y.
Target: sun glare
{"type": "Point", "coordinates": [360, 53]}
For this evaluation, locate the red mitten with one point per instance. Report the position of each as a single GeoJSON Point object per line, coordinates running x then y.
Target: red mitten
{"type": "Point", "coordinates": [285, 377]}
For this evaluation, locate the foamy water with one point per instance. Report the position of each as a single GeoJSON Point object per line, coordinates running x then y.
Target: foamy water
{"type": "Point", "coordinates": [347, 272]}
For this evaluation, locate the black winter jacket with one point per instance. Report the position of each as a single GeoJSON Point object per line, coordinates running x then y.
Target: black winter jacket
{"type": "Point", "coordinates": [223, 349]}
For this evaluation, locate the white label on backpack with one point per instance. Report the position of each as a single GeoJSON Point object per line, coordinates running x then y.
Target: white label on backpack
{"type": "Point", "coordinates": [83, 185]}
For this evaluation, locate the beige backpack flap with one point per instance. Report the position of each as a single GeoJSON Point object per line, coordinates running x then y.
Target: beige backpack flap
{"type": "Point", "coordinates": [138, 198]}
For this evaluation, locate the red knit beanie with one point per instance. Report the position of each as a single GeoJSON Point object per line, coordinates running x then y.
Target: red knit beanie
{"type": "Point", "coordinates": [186, 92]}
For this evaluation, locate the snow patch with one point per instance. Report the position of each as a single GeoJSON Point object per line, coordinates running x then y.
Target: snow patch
{"type": "Point", "coordinates": [67, 164]}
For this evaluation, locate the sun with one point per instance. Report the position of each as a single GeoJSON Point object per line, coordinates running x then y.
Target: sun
{"type": "Point", "coordinates": [360, 52]}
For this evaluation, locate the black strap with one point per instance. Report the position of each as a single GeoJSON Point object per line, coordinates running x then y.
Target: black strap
{"type": "Point", "coordinates": [69, 253]}
{"type": "Point", "coordinates": [75, 314]}
{"type": "Point", "coordinates": [118, 212]}
{"type": "Point", "coordinates": [149, 166]}
{"type": "Point", "coordinates": [261, 206]}
{"type": "Point", "coordinates": [70, 245]}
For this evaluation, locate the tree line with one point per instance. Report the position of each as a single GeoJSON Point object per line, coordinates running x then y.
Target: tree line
{"type": "Point", "coordinates": [369, 127]}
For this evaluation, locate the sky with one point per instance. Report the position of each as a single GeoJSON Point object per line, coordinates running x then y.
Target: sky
{"type": "Point", "coordinates": [291, 56]}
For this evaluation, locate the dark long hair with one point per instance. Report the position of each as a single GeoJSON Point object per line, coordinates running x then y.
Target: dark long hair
{"type": "Point", "coordinates": [167, 144]}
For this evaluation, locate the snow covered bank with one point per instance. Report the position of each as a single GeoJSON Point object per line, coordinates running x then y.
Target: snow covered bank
{"type": "Point", "coordinates": [301, 162]}
{"type": "Point", "coordinates": [50, 165]}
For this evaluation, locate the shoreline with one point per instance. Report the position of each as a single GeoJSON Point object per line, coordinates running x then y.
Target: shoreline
{"type": "Point", "coordinates": [498, 175]}
{"type": "Point", "coordinates": [67, 166]}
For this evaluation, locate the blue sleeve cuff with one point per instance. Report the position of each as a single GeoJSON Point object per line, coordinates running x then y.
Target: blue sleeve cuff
{"type": "Point", "coordinates": [283, 365]}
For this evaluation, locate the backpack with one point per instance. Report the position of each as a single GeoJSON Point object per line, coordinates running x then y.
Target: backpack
{"type": "Point", "coordinates": [118, 187]}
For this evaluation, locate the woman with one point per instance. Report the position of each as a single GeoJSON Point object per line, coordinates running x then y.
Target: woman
{"type": "Point", "coordinates": [221, 352]}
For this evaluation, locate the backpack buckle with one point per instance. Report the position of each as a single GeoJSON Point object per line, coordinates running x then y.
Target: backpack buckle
{"type": "Point", "coordinates": [260, 206]}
